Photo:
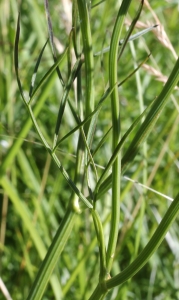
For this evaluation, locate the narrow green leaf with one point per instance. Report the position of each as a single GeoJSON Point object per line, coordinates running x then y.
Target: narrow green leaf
{"type": "Point", "coordinates": [52, 257]}
{"type": "Point", "coordinates": [147, 125]}
{"type": "Point", "coordinates": [152, 116]}
{"type": "Point", "coordinates": [131, 38]}
{"type": "Point", "coordinates": [16, 57]}
{"type": "Point", "coordinates": [119, 146]}
{"type": "Point", "coordinates": [36, 69]}
{"type": "Point", "coordinates": [73, 73]}
{"type": "Point", "coordinates": [50, 32]}
{"type": "Point", "coordinates": [48, 74]}
{"type": "Point", "coordinates": [150, 248]}
{"type": "Point", "coordinates": [134, 21]}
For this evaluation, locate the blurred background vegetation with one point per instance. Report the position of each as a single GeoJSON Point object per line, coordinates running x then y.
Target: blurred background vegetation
{"type": "Point", "coordinates": [35, 183]}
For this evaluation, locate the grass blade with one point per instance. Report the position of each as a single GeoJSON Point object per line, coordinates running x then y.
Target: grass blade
{"type": "Point", "coordinates": [50, 31]}
{"type": "Point", "coordinates": [35, 70]}
{"type": "Point", "coordinates": [150, 248]}
{"type": "Point", "coordinates": [131, 38]}
{"type": "Point", "coordinates": [147, 125]}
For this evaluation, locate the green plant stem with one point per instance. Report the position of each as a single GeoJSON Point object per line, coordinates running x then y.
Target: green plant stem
{"type": "Point", "coordinates": [116, 169]}
{"type": "Point", "coordinates": [146, 253]}
{"type": "Point", "coordinates": [150, 248]}
{"type": "Point", "coordinates": [98, 293]}
{"type": "Point", "coordinates": [144, 150]}
{"type": "Point", "coordinates": [102, 251]}
{"type": "Point", "coordinates": [50, 261]}
{"type": "Point", "coordinates": [88, 53]}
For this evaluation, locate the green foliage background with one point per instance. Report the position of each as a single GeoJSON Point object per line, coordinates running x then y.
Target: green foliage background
{"type": "Point", "coordinates": [38, 188]}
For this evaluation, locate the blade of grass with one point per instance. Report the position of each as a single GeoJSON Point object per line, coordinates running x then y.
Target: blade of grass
{"type": "Point", "coordinates": [150, 248]}
{"type": "Point", "coordinates": [130, 38]}
{"type": "Point", "coordinates": [24, 213]}
{"type": "Point", "coordinates": [48, 74]}
{"type": "Point", "coordinates": [7, 160]}
{"type": "Point", "coordinates": [144, 154]}
{"type": "Point", "coordinates": [35, 70]}
{"type": "Point", "coordinates": [50, 32]}
{"type": "Point", "coordinates": [147, 125]}
{"type": "Point", "coordinates": [72, 76]}
{"type": "Point", "coordinates": [118, 148]}
{"type": "Point", "coordinates": [54, 251]}
{"type": "Point", "coordinates": [134, 21]}
{"type": "Point", "coordinates": [146, 253]}
{"type": "Point", "coordinates": [152, 116]}
{"type": "Point", "coordinates": [16, 64]}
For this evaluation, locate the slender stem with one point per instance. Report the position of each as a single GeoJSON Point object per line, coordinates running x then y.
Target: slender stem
{"type": "Point", "coordinates": [88, 53]}
{"type": "Point", "coordinates": [150, 248]}
{"type": "Point", "coordinates": [116, 169]}
{"type": "Point", "coordinates": [52, 256]}
{"type": "Point", "coordinates": [102, 250]}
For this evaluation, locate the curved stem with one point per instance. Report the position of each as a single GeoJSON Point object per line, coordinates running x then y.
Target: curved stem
{"type": "Point", "coordinates": [149, 249]}
{"type": "Point", "coordinates": [102, 251]}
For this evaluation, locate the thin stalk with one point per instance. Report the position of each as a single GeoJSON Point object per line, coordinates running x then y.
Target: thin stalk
{"type": "Point", "coordinates": [144, 150]}
{"type": "Point", "coordinates": [145, 255]}
{"type": "Point", "coordinates": [88, 53]}
{"type": "Point", "coordinates": [67, 89]}
{"type": "Point", "coordinates": [150, 248]}
{"type": "Point", "coordinates": [116, 169]}
{"type": "Point", "coordinates": [131, 38]}
{"type": "Point", "coordinates": [102, 250]}
{"type": "Point", "coordinates": [54, 251]}
{"type": "Point", "coordinates": [118, 147]}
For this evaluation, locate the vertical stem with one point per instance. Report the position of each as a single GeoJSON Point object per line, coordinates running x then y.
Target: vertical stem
{"type": "Point", "coordinates": [144, 148]}
{"type": "Point", "coordinates": [83, 9]}
{"type": "Point", "coordinates": [88, 53]}
{"type": "Point", "coordinates": [116, 169]}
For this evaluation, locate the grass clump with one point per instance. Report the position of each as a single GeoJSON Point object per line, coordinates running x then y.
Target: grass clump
{"type": "Point", "coordinates": [90, 183]}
